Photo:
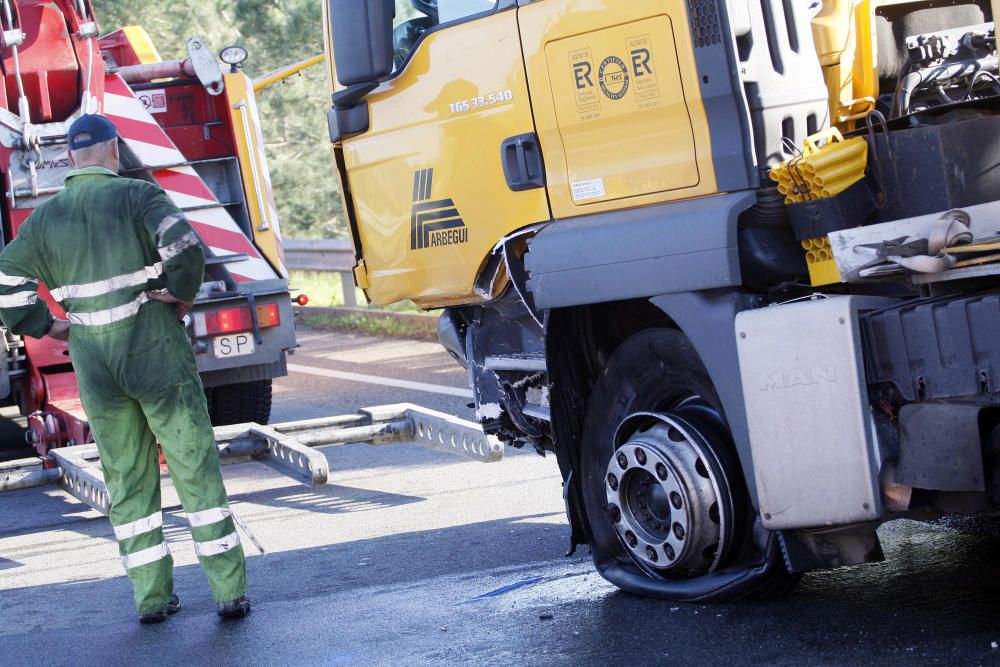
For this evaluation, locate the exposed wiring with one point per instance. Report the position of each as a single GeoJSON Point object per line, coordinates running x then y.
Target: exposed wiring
{"type": "Point", "coordinates": [975, 79]}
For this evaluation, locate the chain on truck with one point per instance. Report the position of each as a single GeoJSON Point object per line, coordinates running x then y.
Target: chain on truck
{"type": "Point", "coordinates": [185, 125]}
{"type": "Point", "coordinates": [734, 263]}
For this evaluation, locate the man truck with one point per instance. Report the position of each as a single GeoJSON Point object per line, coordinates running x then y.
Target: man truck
{"type": "Point", "coordinates": [734, 263]}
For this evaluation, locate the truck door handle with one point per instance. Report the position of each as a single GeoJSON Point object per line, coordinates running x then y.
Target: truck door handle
{"type": "Point", "coordinates": [521, 156]}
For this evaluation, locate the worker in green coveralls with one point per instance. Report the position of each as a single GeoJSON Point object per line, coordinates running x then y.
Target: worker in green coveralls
{"type": "Point", "coordinates": [125, 264]}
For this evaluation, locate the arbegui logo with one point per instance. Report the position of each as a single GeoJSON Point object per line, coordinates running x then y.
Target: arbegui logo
{"type": "Point", "coordinates": [433, 222]}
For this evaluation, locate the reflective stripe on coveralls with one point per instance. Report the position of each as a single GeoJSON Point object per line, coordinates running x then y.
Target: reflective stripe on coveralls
{"type": "Point", "coordinates": [167, 224]}
{"type": "Point", "coordinates": [110, 315]}
{"type": "Point", "coordinates": [146, 556]}
{"type": "Point", "coordinates": [219, 546]}
{"type": "Point", "coordinates": [102, 287]}
{"type": "Point", "coordinates": [19, 299]}
{"type": "Point", "coordinates": [140, 277]}
{"type": "Point", "coordinates": [207, 518]}
{"type": "Point", "coordinates": [139, 526]}
{"type": "Point", "coordinates": [167, 252]}
{"type": "Point", "coordinates": [15, 281]}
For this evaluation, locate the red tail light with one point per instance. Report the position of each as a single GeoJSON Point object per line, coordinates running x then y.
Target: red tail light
{"type": "Point", "coordinates": [230, 320]}
{"type": "Point", "coordinates": [235, 320]}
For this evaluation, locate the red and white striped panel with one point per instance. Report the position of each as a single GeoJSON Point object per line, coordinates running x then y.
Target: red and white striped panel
{"type": "Point", "coordinates": [154, 148]}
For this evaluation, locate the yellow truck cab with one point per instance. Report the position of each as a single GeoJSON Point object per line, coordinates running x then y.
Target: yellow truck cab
{"type": "Point", "coordinates": [732, 262]}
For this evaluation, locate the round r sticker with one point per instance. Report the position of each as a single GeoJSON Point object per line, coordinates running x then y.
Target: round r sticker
{"type": "Point", "coordinates": [613, 77]}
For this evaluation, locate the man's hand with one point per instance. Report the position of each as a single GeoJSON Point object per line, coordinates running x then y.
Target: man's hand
{"type": "Point", "coordinates": [59, 330]}
{"type": "Point", "coordinates": [182, 307]}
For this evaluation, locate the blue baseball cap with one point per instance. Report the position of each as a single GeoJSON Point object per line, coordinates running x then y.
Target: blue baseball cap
{"type": "Point", "coordinates": [90, 129]}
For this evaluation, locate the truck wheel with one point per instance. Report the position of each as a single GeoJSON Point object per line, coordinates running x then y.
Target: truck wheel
{"type": "Point", "coordinates": [240, 402]}
{"type": "Point", "coordinates": [669, 512]}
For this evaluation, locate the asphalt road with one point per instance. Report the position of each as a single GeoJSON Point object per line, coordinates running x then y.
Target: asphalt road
{"type": "Point", "coordinates": [412, 557]}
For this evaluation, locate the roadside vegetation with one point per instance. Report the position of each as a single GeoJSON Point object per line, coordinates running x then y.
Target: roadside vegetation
{"type": "Point", "coordinates": [324, 290]}
{"type": "Point", "coordinates": [371, 324]}
{"type": "Point", "coordinates": [326, 310]}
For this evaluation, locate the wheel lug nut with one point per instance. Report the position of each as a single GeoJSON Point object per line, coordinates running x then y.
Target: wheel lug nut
{"type": "Point", "coordinates": [678, 531]}
{"type": "Point", "coordinates": [640, 456]}
{"type": "Point", "coordinates": [669, 550]}
{"type": "Point", "coordinates": [675, 500]}
{"type": "Point", "coordinates": [612, 482]}
{"type": "Point", "coordinates": [630, 538]}
{"type": "Point", "coordinates": [614, 513]}
{"type": "Point", "coordinates": [622, 460]}
{"type": "Point", "coordinates": [661, 471]}
{"type": "Point", "coordinates": [651, 552]}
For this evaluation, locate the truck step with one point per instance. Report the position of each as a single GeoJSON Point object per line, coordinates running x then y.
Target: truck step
{"type": "Point", "coordinates": [528, 363]}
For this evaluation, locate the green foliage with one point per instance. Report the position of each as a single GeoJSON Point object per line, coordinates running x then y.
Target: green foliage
{"type": "Point", "coordinates": [293, 113]}
{"type": "Point", "coordinates": [326, 290]}
{"type": "Point", "coordinates": [366, 323]}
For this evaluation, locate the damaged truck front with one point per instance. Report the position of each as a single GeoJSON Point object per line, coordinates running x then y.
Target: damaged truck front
{"type": "Point", "coordinates": [734, 263]}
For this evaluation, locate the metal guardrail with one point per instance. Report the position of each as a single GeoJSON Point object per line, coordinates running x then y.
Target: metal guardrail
{"type": "Point", "coordinates": [328, 255]}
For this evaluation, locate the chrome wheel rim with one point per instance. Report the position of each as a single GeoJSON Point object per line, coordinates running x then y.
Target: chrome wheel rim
{"type": "Point", "coordinates": [667, 494]}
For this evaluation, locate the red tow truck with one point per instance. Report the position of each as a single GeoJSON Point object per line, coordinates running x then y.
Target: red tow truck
{"type": "Point", "coordinates": [192, 127]}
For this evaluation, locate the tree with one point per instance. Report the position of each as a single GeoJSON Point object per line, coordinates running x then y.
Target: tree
{"type": "Point", "coordinates": [276, 33]}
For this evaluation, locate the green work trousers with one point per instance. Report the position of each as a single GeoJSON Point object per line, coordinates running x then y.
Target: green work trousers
{"type": "Point", "coordinates": [139, 385]}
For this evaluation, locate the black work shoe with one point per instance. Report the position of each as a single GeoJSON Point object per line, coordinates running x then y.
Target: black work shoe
{"type": "Point", "coordinates": [173, 606]}
{"type": "Point", "coordinates": [234, 609]}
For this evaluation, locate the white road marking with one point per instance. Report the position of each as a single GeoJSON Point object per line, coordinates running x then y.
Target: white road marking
{"type": "Point", "coordinates": [384, 381]}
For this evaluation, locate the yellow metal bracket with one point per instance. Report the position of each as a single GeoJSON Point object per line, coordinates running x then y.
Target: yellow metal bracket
{"type": "Point", "coordinates": [283, 73]}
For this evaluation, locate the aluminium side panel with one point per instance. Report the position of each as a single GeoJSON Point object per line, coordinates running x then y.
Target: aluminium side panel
{"type": "Point", "coordinates": [815, 453]}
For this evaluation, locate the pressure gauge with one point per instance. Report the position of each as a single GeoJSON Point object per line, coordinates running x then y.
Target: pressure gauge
{"type": "Point", "coordinates": [234, 56]}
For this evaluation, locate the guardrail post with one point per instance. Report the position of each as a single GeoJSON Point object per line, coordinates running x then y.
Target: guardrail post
{"type": "Point", "coordinates": [325, 255]}
{"type": "Point", "coordinates": [347, 285]}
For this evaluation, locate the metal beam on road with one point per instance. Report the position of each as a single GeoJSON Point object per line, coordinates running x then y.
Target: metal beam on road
{"type": "Point", "coordinates": [25, 474]}
{"type": "Point", "coordinates": [287, 447]}
{"type": "Point", "coordinates": [379, 380]}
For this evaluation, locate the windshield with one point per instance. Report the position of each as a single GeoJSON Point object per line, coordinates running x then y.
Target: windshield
{"type": "Point", "coordinates": [415, 17]}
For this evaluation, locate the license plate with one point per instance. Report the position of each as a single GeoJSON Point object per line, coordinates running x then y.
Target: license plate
{"type": "Point", "coordinates": [233, 345]}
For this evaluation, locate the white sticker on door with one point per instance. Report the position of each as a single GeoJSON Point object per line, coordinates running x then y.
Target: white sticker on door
{"type": "Point", "coordinates": [589, 189]}
{"type": "Point", "coordinates": [153, 101]}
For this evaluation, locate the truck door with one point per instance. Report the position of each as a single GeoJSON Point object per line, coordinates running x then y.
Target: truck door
{"type": "Point", "coordinates": [617, 101]}
{"type": "Point", "coordinates": [426, 179]}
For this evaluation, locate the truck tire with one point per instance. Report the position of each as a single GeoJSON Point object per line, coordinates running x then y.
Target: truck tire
{"type": "Point", "coordinates": [668, 509]}
{"type": "Point", "coordinates": [239, 403]}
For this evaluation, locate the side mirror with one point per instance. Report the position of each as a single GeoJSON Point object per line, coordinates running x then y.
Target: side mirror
{"type": "Point", "coordinates": [362, 39]}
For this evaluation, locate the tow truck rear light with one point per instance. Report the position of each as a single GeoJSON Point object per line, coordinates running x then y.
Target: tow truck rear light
{"type": "Point", "coordinates": [268, 316]}
{"type": "Point", "coordinates": [235, 320]}
{"type": "Point", "coordinates": [230, 320]}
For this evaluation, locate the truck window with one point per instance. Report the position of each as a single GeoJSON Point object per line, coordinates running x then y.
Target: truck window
{"type": "Point", "coordinates": [415, 17]}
